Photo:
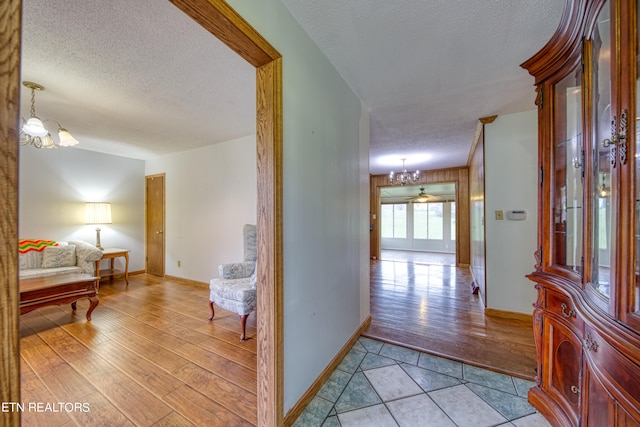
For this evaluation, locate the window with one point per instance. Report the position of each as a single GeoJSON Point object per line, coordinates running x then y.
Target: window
{"type": "Point", "coordinates": [453, 220]}
{"type": "Point", "coordinates": [394, 221]}
{"type": "Point", "coordinates": [428, 221]}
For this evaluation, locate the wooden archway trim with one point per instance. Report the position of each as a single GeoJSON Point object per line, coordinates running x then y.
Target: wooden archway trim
{"type": "Point", "coordinates": [217, 17]}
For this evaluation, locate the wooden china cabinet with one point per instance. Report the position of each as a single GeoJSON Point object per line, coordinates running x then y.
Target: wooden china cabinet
{"type": "Point", "coordinates": [587, 273]}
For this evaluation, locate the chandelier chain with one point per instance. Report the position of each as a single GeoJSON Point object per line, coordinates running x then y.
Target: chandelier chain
{"type": "Point", "coordinates": [33, 102]}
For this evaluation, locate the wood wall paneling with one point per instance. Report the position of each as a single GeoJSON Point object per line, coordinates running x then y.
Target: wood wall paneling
{"type": "Point", "coordinates": [477, 216]}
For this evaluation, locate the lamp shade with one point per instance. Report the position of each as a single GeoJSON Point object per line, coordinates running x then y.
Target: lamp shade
{"type": "Point", "coordinates": [98, 213]}
{"type": "Point", "coordinates": [34, 127]}
{"type": "Point", "coordinates": [66, 140]}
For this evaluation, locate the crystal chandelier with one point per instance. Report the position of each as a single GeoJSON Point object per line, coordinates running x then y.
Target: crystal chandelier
{"type": "Point", "coordinates": [33, 131]}
{"type": "Point", "coordinates": [403, 177]}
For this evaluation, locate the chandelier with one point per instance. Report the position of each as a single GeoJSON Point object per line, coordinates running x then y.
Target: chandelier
{"type": "Point", "coordinates": [33, 131]}
{"type": "Point", "coordinates": [403, 177]}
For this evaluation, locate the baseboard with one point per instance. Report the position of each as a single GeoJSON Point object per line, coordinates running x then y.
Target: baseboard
{"type": "Point", "coordinates": [302, 403]}
{"type": "Point", "coordinates": [186, 281]}
{"type": "Point", "coordinates": [508, 315]}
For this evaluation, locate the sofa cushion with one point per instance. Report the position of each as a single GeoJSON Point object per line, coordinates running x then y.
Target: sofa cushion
{"type": "Point", "coordinates": [42, 272]}
{"type": "Point", "coordinates": [29, 260]}
{"type": "Point", "coordinates": [59, 256]}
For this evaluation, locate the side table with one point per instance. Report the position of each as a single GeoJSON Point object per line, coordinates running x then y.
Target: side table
{"type": "Point", "coordinates": [112, 253]}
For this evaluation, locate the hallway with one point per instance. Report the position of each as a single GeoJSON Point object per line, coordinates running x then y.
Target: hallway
{"type": "Point", "coordinates": [430, 356]}
{"type": "Point", "coordinates": [430, 308]}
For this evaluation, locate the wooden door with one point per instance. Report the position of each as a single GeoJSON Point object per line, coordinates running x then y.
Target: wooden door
{"type": "Point", "coordinates": [155, 224]}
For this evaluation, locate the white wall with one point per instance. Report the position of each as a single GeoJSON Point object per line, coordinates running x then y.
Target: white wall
{"type": "Point", "coordinates": [365, 232]}
{"type": "Point", "coordinates": [511, 183]}
{"type": "Point", "coordinates": [55, 184]}
{"type": "Point", "coordinates": [324, 215]}
{"type": "Point", "coordinates": [211, 193]}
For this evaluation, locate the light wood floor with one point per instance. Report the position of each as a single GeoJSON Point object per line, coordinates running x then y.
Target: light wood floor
{"type": "Point", "coordinates": [429, 307]}
{"type": "Point", "coordinates": [149, 357]}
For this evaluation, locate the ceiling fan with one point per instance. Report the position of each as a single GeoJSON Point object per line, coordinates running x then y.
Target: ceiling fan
{"type": "Point", "coordinates": [423, 197]}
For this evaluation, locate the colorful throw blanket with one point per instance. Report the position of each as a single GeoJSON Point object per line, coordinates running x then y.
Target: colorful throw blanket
{"type": "Point", "coordinates": [26, 245]}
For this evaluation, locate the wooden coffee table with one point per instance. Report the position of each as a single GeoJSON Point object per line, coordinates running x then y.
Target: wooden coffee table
{"type": "Point", "coordinates": [58, 289]}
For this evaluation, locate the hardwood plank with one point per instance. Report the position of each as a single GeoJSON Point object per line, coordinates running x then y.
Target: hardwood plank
{"type": "Point", "coordinates": [37, 391]}
{"type": "Point", "coordinates": [133, 400]}
{"type": "Point", "coordinates": [174, 420]}
{"type": "Point", "coordinates": [147, 374]}
{"type": "Point", "coordinates": [225, 368]}
{"type": "Point", "coordinates": [202, 411]}
{"type": "Point", "coordinates": [240, 355]}
{"type": "Point", "coordinates": [155, 353]}
{"type": "Point", "coordinates": [430, 308]}
{"type": "Point", "coordinates": [62, 380]}
{"type": "Point", "coordinates": [224, 392]}
{"type": "Point", "coordinates": [127, 364]}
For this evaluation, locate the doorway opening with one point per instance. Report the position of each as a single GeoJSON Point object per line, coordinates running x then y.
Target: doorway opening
{"type": "Point", "coordinates": [224, 23]}
{"type": "Point", "coordinates": [418, 223]}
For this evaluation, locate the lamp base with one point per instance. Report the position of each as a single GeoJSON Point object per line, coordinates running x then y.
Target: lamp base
{"type": "Point", "coordinates": [98, 239]}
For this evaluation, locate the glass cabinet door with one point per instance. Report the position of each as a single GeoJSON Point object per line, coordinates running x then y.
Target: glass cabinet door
{"type": "Point", "coordinates": [568, 174]}
{"type": "Point", "coordinates": [603, 155]}
{"type": "Point", "coordinates": [635, 290]}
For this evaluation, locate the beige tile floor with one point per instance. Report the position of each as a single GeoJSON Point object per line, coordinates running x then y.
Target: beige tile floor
{"type": "Point", "coordinates": [379, 384]}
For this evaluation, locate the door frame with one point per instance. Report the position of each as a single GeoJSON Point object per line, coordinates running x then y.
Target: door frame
{"type": "Point", "coordinates": [217, 17]}
{"type": "Point", "coordinates": [459, 176]}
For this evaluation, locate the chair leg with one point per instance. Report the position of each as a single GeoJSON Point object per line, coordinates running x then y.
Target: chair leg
{"type": "Point", "coordinates": [243, 322]}
{"type": "Point", "coordinates": [212, 311]}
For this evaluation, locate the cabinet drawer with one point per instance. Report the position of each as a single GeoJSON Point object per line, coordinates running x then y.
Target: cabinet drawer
{"type": "Point", "coordinates": [619, 374]}
{"type": "Point", "coordinates": [561, 306]}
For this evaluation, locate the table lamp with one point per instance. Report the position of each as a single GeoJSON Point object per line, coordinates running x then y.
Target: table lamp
{"type": "Point", "coordinates": [98, 213]}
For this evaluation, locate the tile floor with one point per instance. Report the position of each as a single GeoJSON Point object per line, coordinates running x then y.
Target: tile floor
{"type": "Point", "coordinates": [379, 384]}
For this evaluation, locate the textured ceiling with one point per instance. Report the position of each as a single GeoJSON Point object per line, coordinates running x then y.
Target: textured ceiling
{"type": "Point", "coordinates": [134, 78]}
{"type": "Point", "coordinates": [404, 193]}
{"type": "Point", "coordinates": [429, 69]}
{"type": "Point", "coordinates": [140, 79]}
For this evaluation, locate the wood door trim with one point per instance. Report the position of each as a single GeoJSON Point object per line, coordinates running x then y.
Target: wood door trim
{"type": "Point", "coordinates": [10, 17]}
{"type": "Point", "coordinates": [217, 17]}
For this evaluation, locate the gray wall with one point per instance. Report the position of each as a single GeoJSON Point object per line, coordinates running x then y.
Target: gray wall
{"type": "Point", "coordinates": [211, 193]}
{"type": "Point", "coordinates": [511, 183]}
{"type": "Point", "coordinates": [55, 184]}
{"type": "Point", "coordinates": [325, 215]}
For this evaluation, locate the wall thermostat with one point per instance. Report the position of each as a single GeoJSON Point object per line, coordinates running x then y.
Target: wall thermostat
{"type": "Point", "coordinates": [517, 215]}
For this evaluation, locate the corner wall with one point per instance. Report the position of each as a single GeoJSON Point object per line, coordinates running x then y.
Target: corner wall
{"type": "Point", "coordinates": [324, 220]}
{"type": "Point", "coordinates": [210, 193]}
{"type": "Point", "coordinates": [55, 184]}
{"type": "Point", "coordinates": [511, 183]}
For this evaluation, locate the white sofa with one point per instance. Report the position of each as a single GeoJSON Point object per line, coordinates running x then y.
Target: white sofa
{"type": "Point", "coordinates": [47, 259]}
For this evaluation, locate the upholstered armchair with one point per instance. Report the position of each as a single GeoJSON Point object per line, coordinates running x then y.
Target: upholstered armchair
{"type": "Point", "coordinates": [235, 289]}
